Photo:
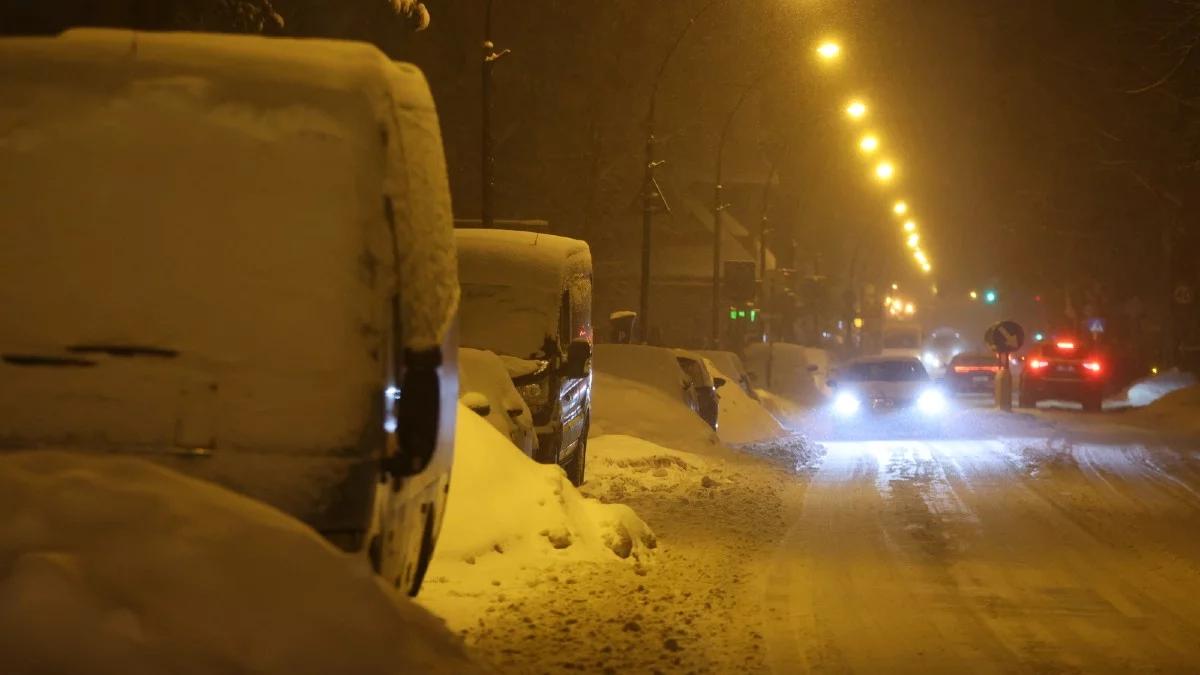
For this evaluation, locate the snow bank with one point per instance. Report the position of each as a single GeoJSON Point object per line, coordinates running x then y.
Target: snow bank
{"type": "Point", "coordinates": [638, 390]}
{"type": "Point", "coordinates": [506, 509]}
{"type": "Point", "coordinates": [741, 418]}
{"type": "Point", "coordinates": [789, 371]}
{"type": "Point", "coordinates": [114, 565]}
{"type": "Point", "coordinates": [1176, 413]}
{"type": "Point", "coordinates": [1150, 389]}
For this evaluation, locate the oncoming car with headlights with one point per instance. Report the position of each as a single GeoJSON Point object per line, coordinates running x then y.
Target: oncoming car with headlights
{"type": "Point", "coordinates": [877, 385]}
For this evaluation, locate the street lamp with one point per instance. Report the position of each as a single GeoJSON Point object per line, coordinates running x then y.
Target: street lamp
{"type": "Point", "coordinates": [900, 208]}
{"type": "Point", "coordinates": [856, 109]}
{"type": "Point", "coordinates": [974, 295]}
{"type": "Point", "coordinates": [885, 171]}
{"type": "Point", "coordinates": [926, 267]}
{"type": "Point", "coordinates": [829, 50]}
{"type": "Point", "coordinates": [869, 143]}
{"type": "Point", "coordinates": [913, 240]}
{"type": "Point", "coordinates": [910, 226]}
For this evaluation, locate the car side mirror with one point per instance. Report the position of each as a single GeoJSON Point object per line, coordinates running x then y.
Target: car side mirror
{"type": "Point", "coordinates": [718, 382]}
{"type": "Point", "coordinates": [578, 363]}
{"type": "Point", "coordinates": [477, 403]}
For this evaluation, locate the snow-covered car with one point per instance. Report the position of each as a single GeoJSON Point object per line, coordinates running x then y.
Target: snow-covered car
{"type": "Point", "coordinates": [730, 364]}
{"type": "Point", "coordinates": [486, 388]}
{"type": "Point", "coordinates": [885, 384]}
{"type": "Point", "coordinates": [527, 297]}
{"type": "Point", "coordinates": [701, 386]}
{"type": "Point", "coordinates": [234, 255]}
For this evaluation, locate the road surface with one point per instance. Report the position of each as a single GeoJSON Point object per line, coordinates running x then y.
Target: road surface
{"type": "Point", "coordinates": [990, 555]}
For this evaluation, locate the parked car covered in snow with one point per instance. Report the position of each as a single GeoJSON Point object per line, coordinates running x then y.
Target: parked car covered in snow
{"type": "Point", "coordinates": [701, 387]}
{"type": "Point", "coordinates": [486, 388]}
{"type": "Point", "coordinates": [527, 297]}
{"type": "Point", "coordinates": [233, 255]}
{"type": "Point", "coordinates": [730, 364]}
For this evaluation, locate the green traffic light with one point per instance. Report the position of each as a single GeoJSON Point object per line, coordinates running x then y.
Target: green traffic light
{"type": "Point", "coordinates": [990, 297]}
{"type": "Point", "coordinates": [733, 314]}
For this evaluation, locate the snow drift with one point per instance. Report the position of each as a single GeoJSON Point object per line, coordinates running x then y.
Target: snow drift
{"type": "Point", "coordinates": [504, 508]}
{"type": "Point", "coordinates": [116, 565]}
{"type": "Point", "coordinates": [638, 390]}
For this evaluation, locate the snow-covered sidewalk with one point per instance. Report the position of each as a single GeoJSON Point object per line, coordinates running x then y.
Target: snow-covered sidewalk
{"type": "Point", "coordinates": [693, 603]}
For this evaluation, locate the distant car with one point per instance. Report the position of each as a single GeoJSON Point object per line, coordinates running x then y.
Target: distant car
{"type": "Point", "coordinates": [702, 386]}
{"type": "Point", "coordinates": [527, 297]}
{"type": "Point", "coordinates": [1065, 370]}
{"type": "Point", "coordinates": [939, 350]}
{"type": "Point", "coordinates": [885, 384]}
{"type": "Point", "coordinates": [972, 372]}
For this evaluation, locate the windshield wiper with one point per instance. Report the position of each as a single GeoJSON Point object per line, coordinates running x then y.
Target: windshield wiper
{"type": "Point", "coordinates": [124, 351]}
{"type": "Point", "coordinates": [31, 360]}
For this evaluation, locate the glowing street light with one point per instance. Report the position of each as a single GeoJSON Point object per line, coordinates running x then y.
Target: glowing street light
{"type": "Point", "coordinates": [869, 143]}
{"type": "Point", "coordinates": [926, 267]}
{"type": "Point", "coordinates": [913, 240]}
{"type": "Point", "coordinates": [885, 171]}
{"type": "Point", "coordinates": [910, 309]}
{"type": "Point", "coordinates": [900, 208]}
{"type": "Point", "coordinates": [856, 109]}
{"type": "Point", "coordinates": [920, 257]}
{"type": "Point", "coordinates": [829, 50]}
{"type": "Point", "coordinates": [974, 295]}
{"type": "Point", "coordinates": [910, 226]}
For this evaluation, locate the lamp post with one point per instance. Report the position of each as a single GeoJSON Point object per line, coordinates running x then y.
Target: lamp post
{"type": "Point", "coordinates": [650, 192]}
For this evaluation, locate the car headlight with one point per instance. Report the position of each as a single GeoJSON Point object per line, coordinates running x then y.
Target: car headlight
{"type": "Point", "coordinates": [846, 404]}
{"type": "Point", "coordinates": [932, 402]}
{"type": "Point", "coordinates": [931, 360]}
{"type": "Point", "coordinates": [536, 394]}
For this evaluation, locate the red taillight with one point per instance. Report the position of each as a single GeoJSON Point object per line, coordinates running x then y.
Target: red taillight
{"type": "Point", "coordinates": [1065, 345]}
{"type": "Point", "coordinates": [976, 369]}
{"type": "Point", "coordinates": [1037, 364]}
{"type": "Point", "coordinates": [1092, 366]}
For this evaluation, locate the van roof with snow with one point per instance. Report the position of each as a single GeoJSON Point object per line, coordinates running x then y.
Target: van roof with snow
{"type": "Point", "coordinates": [201, 234]}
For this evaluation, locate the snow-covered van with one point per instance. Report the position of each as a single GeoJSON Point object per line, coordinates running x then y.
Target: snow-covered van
{"type": "Point", "coordinates": [528, 297]}
{"type": "Point", "coordinates": [234, 255]}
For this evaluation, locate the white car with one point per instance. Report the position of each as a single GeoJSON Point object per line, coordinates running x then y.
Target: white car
{"type": "Point", "coordinates": [885, 384]}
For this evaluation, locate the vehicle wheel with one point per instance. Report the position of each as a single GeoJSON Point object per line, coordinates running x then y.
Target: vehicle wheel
{"type": "Point", "coordinates": [1093, 403]}
{"type": "Point", "coordinates": [578, 464]}
{"type": "Point", "coordinates": [424, 557]}
{"type": "Point", "coordinates": [1026, 399]}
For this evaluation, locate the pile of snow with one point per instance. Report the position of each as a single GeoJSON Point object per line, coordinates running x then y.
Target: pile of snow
{"type": "Point", "coordinates": [741, 419]}
{"type": "Point", "coordinates": [789, 371]}
{"type": "Point", "coordinates": [638, 390]}
{"type": "Point", "coordinates": [504, 508]}
{"type": "Point", "coordinates": [116, 565]}
{"type": "Point", "coordinates": [624, 465]}
{"type": "Point", "coordinates": [1175, 413]}
{"type": "Point", "coordinates": [1150, 389]}
{"type": "Point", "coordinates": [484, 375]}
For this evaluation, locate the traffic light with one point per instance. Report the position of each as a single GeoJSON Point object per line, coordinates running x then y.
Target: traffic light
{"type": "Point", "coordinates": [990, 297]}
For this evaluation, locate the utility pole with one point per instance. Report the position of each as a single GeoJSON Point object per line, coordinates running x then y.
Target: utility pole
{"type": "Point", "coordinates": [650, 192]}
{"type": "Point", "coordinates": [487, 214]}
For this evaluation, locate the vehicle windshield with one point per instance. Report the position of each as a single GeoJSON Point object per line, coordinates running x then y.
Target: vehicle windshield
{"type": "Point", "coordinates": [885, 371]}
{"type": "Point", "coordinates": [508, 320]}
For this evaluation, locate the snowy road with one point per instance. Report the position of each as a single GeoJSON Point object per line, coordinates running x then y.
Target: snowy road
{"type": "Point", "coordinates": [990, 556]}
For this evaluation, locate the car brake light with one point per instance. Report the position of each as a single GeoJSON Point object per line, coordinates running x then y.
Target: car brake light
{"type": "Point", "coordinates": [1037, 364]}
{"type": "Point", "coordinates": [1093, 366]}
{"type": "Point", "coordinates": [1065, 345]}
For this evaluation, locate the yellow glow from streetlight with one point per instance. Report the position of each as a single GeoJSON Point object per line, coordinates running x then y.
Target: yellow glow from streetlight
{"type": "Point", "coordinates": [829, 50]}
{"type": "Point", "coordinates": [913, 240]}
{"type": "Point", "coordinates": [885, 171]}
{"type": "Point", "coordinates": [910, 226]}
{"type": "Point", "coordinates": [856, 109]}
{"type": "Point", "coordinates": [900, 208]}
{"type": "Point", "coordinates": [926, 267]}
{"type": "Point", "coordinates": [974, 295]}
{"type": "Point", "coordinates": [920, 257]}
{"type": "Point", "coordinates": [869, 143]}
{"type": "Point", "coordinates": [895, 287]}
{"type": "Point", "coordinates": [910, 308]}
